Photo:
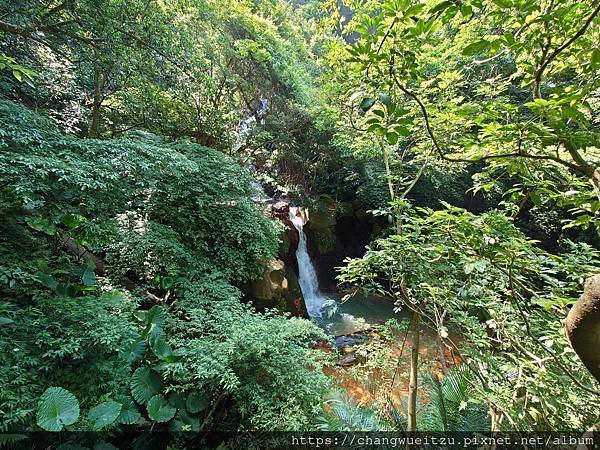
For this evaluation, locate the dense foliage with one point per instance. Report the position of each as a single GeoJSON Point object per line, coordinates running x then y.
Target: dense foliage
{"type": "Point", "coordinates": [480, 276]}
{"type": "Point", "coordinates": [118, 259]}
{"type": "Point", "coordinates": [138, 139]}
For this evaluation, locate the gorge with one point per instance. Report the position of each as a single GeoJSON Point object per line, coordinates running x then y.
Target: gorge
{"type": "Point", "coordinates": [225, 222]}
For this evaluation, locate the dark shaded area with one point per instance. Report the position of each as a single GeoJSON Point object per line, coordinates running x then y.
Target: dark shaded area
{"type": "Point", "coordinates": [351, 236]}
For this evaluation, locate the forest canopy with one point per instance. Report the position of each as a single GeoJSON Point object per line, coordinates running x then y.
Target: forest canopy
{"type": "Point", "coordinates": [196, 193]}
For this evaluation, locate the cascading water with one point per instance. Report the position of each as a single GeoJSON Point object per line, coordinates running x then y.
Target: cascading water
{"type": "Point", "coordinates": [337, 317]}
{"type": "Point", "coordinates": [244, 130]}
{"type": "Point", "coordinates": [307, 277]}
{"type": "Point", "coordinates": [249, 122]}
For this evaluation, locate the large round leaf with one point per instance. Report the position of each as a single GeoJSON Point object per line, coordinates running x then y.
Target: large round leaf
{"type": "Point", "coordinates": [145, 383]}
{"type": "Point", "coordinates": [160, 410]}
{"type": "Point", "coordinates": [129, 411]}
{"type": "Point", "coordinates": [185, 422]}
{"type": "Point", "coordinates": [177, 399]}
{"type": "Point", "coordinates": [196, 402]}
{"type": "Point", "coordinates": [104, 414]}
{"type": "Point", "coordinates": [56, 409]}
{"type": "Point", "coordinates": [131, 351]}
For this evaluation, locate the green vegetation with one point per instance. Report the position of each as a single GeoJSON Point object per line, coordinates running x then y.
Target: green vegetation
{"type": "Point", "coordinates": [458, 139]}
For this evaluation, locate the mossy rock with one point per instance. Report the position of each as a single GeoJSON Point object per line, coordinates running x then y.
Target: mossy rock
{"type": "Point", "coordinates": [278, 287]}
{"type": "Point", "coordinates": [322, 214]}
{"type": "Point", "coordinates": [325, 239]}
{"type": "Point", "coordinates": [294, 301]}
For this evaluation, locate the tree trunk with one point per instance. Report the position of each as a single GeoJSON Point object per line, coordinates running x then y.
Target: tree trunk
{"type": "Point", "coordinates": [583, 326]}
{"type": "Point", "coordinates": [441, 355]}
{"type": "Point", "coordinates": [100, 80]}
{"type": "Point", "coordinates": [388, 176]}
{"type": "Point", "coordinates": [596, 182]}
{"type": "Point", "coordinates": [414, 374]}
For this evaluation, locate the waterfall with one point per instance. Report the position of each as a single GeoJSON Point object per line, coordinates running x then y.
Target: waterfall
{"type": "Point", "coordinates": [249, 122]}
{"type": "Point", "coordinates": [244, 130]}
{"type": "Point", "coordinates": [307, 276]}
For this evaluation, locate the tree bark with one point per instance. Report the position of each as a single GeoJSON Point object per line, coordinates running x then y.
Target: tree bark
{"type": "Point", "coordinates": [596, 182]}
{"type": "Point", "coordinates": [414, 374]}
{"type": "Point", "coordinates": [100, 80]}
{"type": "Point", "coordinates": [388, 176]}
{"type": "Point", "coordinates": [583, 326]}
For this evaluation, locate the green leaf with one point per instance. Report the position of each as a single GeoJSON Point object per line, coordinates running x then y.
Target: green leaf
{"type": "Point", "coordinates": [476, 47]}
{"type": "Point", "coordinates": [155, 321]}
{"type": "Point", "coordinates": [385, 99]}
{"type": "Point", "coordinates": [401, 130]}
{"type": "Point", "coordinates": [105, 414]}
{"type": "Point", "coordinates": [5, 321]}
{"type": "Point", "coordinates": [129, 413]}
{"type": "Point", "coordinates": [65, 290]}
{"type": "Point", "coordinates": [145, 383]}
{"type": "Point", "coordinates": [185, 422]}
{"type": "Point", "coordinates": [595, 59]}
{"type": "Point", "coordinates": [18, 75]}
{"type": "Point", "coordinates": [414, 10]}
{"type": "Point", "coordinates": [56, 409]}
{"type": "Point", "coordinates": [177, 399]}
{"type": "Point", "coordinates": [159, 409]}
{"type": "Point", "coordinates": [133, 350]}
{"type": "Point", "coordinates": [466, 11]}
{"type": "Point", "coordinates": [196, 402]}
{"type": "Point", "coordinates": [41, 224]}
{"type": "Point", "coordinates": [503, 3]}
{"type": "Point", "coordinates": [379, 112]}
{"type": "Point", "coordinates": [366, 104]}
{"type": "Point", "coordinates": [89, 277]}
{"type": "Point", "coordinates": [71, 221]}
{"type": "Point", "coordinates": [441, 7]}
{"type": "Point", "coordinates": [160, 347]}
{"type": "Point", "coordinates": [392, 138]}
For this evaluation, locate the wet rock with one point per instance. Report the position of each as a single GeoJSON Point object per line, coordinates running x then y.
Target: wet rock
{"type": "Point", "coordinates": [348, 340]}
{"type": "Point", "coordinates": [323, 345]}
{"type": "Point", "coordinates": [336, 230]}
{"type": "Point", "coordinates": [280, 210]}
{"type": "Point", "coordinates": [348, 360]}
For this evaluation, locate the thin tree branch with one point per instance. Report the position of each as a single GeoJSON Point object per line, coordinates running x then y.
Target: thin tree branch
{"type": "Point", "coordinates": [568, 43]}
{"type": "Point", "coordinates": [566, 371]}
{"type": "Point", "coordinates": [574, 167]}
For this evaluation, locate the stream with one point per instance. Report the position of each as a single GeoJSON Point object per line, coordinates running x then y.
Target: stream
{"type": "Point", "coordinates": [335, 316]}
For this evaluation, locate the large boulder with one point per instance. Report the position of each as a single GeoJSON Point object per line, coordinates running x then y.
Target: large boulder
{"type": "Point", "coordinates": [277, 288]}
{"type": "Point", "coordinates": [583, 326]}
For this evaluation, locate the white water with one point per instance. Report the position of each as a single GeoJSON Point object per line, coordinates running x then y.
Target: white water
{"type": "Point", "coordinates": [244, 130]}
{"type": "Point", "coordinates": [249, 122]}
{"type": "Point", "coordinates": [307, 277]}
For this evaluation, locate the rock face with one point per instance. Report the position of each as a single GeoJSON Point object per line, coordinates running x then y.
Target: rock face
{"type": "Point", "coordinates": [583, 326]}
{"type": "Point", "coordinates": [348, 360]}
{"type": "Point", "coordinates": [277, 288]}
{"type": "Point", "coordinates": [334, 232]}
{"type": "Point", "coordinates": [280, 210]}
